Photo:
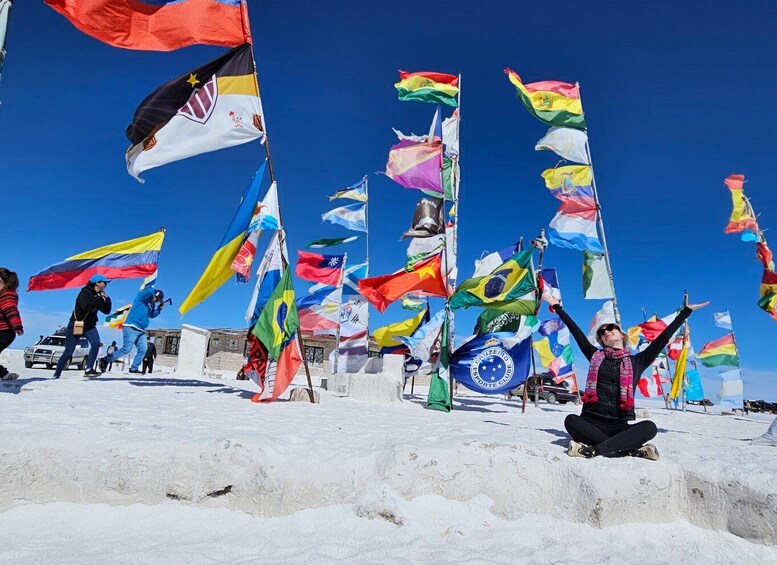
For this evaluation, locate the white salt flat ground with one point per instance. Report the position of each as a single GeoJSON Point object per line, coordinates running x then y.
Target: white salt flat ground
{"type": "Point", "coordinates": [131, 469]}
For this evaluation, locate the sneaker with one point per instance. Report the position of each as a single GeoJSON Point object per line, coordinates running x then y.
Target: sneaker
{"type": "Point", "coordinates": [92, 373]}
{"type": "Point", "coordinates": [647, 451]}
{"type": "Point", "coordinates": [103, 364]}
{"type": "Point", "coordinates": [577, 449]}
{"type": "Point", "coordinates": [10, 377]}
{"type": "Point", "coordinates": [135, 371]}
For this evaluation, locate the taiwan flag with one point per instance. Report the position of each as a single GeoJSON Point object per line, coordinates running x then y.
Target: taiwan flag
{"type": "Point", "coordinates": [315, 267]}
{"type": "Point", "coordinates": [159, 25]}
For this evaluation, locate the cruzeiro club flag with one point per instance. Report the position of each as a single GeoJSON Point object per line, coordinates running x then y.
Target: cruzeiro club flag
{"type": "Point", "coordinates": [485, 365]}
{"type": "Point", "coordinates": [212, 107]}
{"type": "Point", "coordinates": [437, 88]}
{"type": "Point", "coordinates": [720, 352]}
{"type": "Point", "coordinates": [511, 287]}
{"type": "Point", "coordinates": [550, 101]}
{"type": "Point", "coordinates": [279, 320]}
{"type": "Point", "coordinates": [124, 260]}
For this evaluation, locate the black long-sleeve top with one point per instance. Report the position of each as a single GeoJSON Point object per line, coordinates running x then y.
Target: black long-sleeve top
{"type": "Point", "coordinates": [88, 303]}
{"type": "Point", "coordinates": [608, 379]}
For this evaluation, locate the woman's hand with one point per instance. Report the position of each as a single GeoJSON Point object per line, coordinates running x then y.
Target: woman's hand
{"type": "Point", "coordinates": [552, 301]}
{"type": "Point", "coordinates": [697, 306]}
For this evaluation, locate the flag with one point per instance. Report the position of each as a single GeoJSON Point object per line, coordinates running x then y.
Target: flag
{"type": "Point", "coordinates": [268, 275]}
{"type": "Point", "coordinates": [439, 393]}
{"type": "Point", "coordinates": [596, 280]}
{"type": "Point", "coordinates": [450, 134]}
{"type": "Point", "coordinates": [437, 88]}
{"type": "Point", "coordinates": [722, 351]}
{"type": "Point", "coordinates": [571, 181]}
{"type": "Point", "coordinates": [123, 260]}
{"type": "Point", "coordinates": [495, 321]}
{"type": "Point", "coordinates": [315, 267]}
{"type": "Point", "coordinates": [219, 269]}
{"type": "Point", "coordinates": [553, 102]}
{"type": "Point", "coordinates": [679, 373]}
{"type": "Point", "coordinates": [351, 216]}
{"type": "Point", "coordinates": [651, 386]}
{"type": "Point", "coordinates": [485, 365]}
{"type": "Point", "coordinates": [356, 191]}
{"type": "Point", "coordinates": [675, 348]}
{"type": "Point", "coordinates": [159, 25]}
{"type": "Point", "coordinates": [550, 284]}
{"type": "Point", "coordinates": [422, 247]}
{"type": "Point", "coordinates": [550, 327]}
{"type": "Point", "coordinates": [487, 264]}
{"type": "Point", "coordinates": [423, 345]}
{"type": "Point", "coordinates": [354, 319]}
{"type": "Point", "coordinates": [542, 347]}
{"type": "Point", "coordinates": [511, 287]}
{"type": "Point", "coordinates": [280, 374]}
{"type": "Point", "coordinates": [731, 395]}
{"type": "Point", "coordinates": [278, 321]}
{"type": "Point", "coordinates": [652, 329]}
{"type": "Point", "coordinates": [414, 302]}
{"type": "Point", "coordinates": [693, 388]}
{"type": "Point", "coordinates": [749, 236]}
{"type": "Point", "coordinates": [424, 276]}
{"type": "Point", "coordinates": [574, 227]}
{"type": "Point", "coordinates": [723, 320]}
{"type": "Point", "coordinates": [567, 143]}
{"type": "Point", "coordinates": [742, 217]}
{"type": "Point", "coordinates": [562, 364]}
{"type": "Point", "coordinates": [266, 217]}
{"type": "Point", "coordinates": [321, 243]}
{"type": "Point", "coordinates": [116, 320]}
{"type": "Point", "coordinates": [764, 254]}
{"type": "Point", "coordinates": [605, 315]}
{"type": "Point", "coordinates": [255, 367]}
{"type": "Point", "coordinates": [212, 107]}
{"type": "Point", "coordinates": [414, 164]}
{"type": "Point", "coordinates": [387, 336]}
{"type": "Point", "coordinates": [768, 301]}
{"type": "Point", "coordinates": [319, 311]}
{"type": "Point", "coordinates": [428, 219]}
{"type": "Point", "coordinates": [450, 167]}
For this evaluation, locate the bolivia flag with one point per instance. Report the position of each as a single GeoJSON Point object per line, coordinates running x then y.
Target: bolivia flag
{"type": "Point", "coordinates": [437, 88]}
{"type": "Point", "coordinates": [424, 276]}
{"type": "Point", "coordinates": [315, 267]}
{"type": "Point", "coordinates": [722, 351]}
{"type": "Point", "coordinates": [768, 301]}
{"type": "Point", "coordinates": [742, 215]}
{"type": "Point", "coordinates": [553, 102]}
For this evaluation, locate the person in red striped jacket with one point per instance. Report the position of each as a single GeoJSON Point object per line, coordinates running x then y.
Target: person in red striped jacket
{"type": "Point", "coordinates": [10, 320]}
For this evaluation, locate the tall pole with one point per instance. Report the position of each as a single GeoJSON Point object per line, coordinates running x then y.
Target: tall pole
{"type": "Point", "coordinates": [600, 224]}
{"type": "Point", "coordinates": [367, 253]}
{"type": "Point", "coordinates": [5, 16]}
{"type": "Point", "coordinates": [281, 231]}
{"type": "Point", "coordinates": [736, 348]}
{"type": "Point", "coordinates": [339, 309]}
{"type": "Point", "coordinates": [539, 243]}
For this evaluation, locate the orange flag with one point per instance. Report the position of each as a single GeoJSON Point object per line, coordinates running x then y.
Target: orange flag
{"type": "Point", "coordinates": [424, 276]}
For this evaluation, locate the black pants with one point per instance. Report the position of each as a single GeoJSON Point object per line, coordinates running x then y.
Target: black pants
{"type": "Point", "coordinates": [608, 438]}
{"type": "Point", "coordinates": [6, 339]}
{"type": "Point", "coordinates": [148, 364]}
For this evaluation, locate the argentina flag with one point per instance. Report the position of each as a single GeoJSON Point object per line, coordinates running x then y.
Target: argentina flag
{"type": "Point", "coordinates": [484, 364]}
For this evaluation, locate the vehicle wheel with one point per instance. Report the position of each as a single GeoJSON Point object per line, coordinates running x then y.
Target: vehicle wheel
{"type": "Point", "coordinates": [49, 366]}
{"type": "Point", "coordinates": [551, 398]}
{"type": "Point", "coordinates": [27, 365]}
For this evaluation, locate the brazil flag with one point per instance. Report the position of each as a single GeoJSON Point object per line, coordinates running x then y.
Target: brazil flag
{"type": "Point", "coordinates": [278, 320]}
{"type": "Point", "coordinates": [511, 287]}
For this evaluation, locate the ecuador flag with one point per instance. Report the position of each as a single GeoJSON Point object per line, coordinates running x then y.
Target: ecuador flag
{"type": "Point", "coordinates": [211, 107]}
{"type": "Point", "coordinates": [550, 101]}
{"type": "Point", "coordinates": [219, 269]}
{"type": "Point", "coordinates": [124, 260]}
{"type": "Point", "coordinates": [279, 319]}
{"type": "Point", "coordinates": [511, 287]}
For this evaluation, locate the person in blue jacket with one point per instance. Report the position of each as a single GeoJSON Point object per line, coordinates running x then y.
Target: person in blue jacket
{"type": "Point", "coordinates": [147, 305]}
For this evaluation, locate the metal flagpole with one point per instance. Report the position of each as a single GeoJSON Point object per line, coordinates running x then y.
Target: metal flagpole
{"type": "Point", "coordinates": [281, 231]}
{"type": "Point", "coordinates": [455, 195]}
{"type": "Point", "coordinates": [336, 364]}
{"type": "Point", "coordinates": [600, 224]}
{"type": "Point", "coordinates": [5, 17]}
{"type": "Point", "coordinates": [367, 252]}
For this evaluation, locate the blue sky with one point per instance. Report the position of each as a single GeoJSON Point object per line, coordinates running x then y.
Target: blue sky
{"type": "Point", "coordinates": [676, 98]}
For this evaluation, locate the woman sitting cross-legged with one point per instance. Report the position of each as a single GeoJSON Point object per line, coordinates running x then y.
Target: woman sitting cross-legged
{"type": "Point", "coordinates": [608, 402]}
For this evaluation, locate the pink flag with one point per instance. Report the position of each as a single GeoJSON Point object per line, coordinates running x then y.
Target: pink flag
{"type": "Point", "coordinates": [416, 165]}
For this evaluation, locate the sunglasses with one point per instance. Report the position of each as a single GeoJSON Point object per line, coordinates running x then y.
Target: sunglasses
{"type": "Point", "coordinates": [607, 328]}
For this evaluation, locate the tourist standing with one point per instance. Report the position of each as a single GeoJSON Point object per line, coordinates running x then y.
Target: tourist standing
{"type": "Point", "coordinates": [10, 320]}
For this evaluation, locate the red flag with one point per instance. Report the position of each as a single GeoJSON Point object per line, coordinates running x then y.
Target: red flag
{"type": "Point", "coordinates": [288, 363]}
{"type": "Point", "coordinates": [316, 267]}
{"type": "Point", "coordinates": [424, 276]}
{"type": "Point", "coordinates": [159, 26]}
{"type": "Point", "coordinates": [256, 365]}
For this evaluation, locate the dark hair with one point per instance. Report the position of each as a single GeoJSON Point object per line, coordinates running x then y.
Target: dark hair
{"type": "Point", "coordinates": [9, 278]}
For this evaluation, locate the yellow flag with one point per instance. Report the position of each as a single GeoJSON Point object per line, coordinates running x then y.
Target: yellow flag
{"type": "Point", "coordinates": [542, 347]}
{"type": "Point", "coordinates": [679, 373]}
{"type": "Point", "coordinates": [386, 336]}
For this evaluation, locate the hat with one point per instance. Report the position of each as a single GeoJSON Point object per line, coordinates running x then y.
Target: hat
{"type": "Point", "coordinates": [98, 279]}
{"type": "Point", "coordinates": [159, 295]}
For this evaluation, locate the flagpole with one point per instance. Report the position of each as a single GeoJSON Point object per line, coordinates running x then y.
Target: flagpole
{"type": "Point", "coordinates": [455, 190]}
{"type": "Point", "coordinates": [339, 322]}
{"type": "Point", "coordinates": [3, 40]}
{"type": "Point", "coordinates": [600, 224]}
{"type": "Point", "coordinates": [367, 251]}
{"type": "Point", "coordinates": [281, 231]}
